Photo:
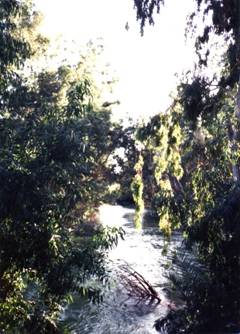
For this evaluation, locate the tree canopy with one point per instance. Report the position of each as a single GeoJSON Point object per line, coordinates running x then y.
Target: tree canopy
{"type": "Point", "coordinates": [55, 141]}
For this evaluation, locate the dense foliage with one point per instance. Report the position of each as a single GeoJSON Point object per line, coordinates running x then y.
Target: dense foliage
{"type": "Point", "coordinates": [55, 140]}
{"type": "Point", "coordinates": [195, 158]}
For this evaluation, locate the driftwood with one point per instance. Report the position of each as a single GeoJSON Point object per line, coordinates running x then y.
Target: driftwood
{"type": "Point", "coordinates": [136, 285]}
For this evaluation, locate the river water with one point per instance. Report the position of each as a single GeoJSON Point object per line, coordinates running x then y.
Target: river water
{"type": "Point", "coordinates": [142, 250]}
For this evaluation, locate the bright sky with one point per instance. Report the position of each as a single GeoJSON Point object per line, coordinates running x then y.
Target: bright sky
{"type": "Point", "coordinates": [145, 66]}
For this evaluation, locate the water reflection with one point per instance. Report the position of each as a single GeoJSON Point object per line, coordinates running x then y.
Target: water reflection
{"type": "Point", "coordinates": [142, 250]}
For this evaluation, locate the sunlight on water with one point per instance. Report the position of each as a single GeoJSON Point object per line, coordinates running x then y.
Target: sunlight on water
{"type": "Point", "coordinates": [119, 313]}
{"type": "Point", "coordinates": [113, 215]}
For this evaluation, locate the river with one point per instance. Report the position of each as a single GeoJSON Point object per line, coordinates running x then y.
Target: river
{"type": "Point", "coordinates": [142, 250]}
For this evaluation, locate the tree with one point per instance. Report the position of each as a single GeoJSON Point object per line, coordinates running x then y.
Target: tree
{"type": "Point", "coordinates": [54, 142]}
{"type": "Point", "coordinates": [206, 204]}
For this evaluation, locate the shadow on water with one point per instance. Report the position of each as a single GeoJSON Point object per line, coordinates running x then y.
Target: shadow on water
{"type": "Point", "coordinates": [142, 250]}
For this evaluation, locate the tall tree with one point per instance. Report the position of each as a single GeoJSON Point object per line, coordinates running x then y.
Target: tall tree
{"type": "Point", "coordinates": [54, 142]}
{"type": "Point", "coordinates": [208, 206]}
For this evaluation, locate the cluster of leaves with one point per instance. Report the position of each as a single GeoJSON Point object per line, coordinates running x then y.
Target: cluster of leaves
{"type": "Point", "coordinates": [145, 10]}
{"type": "Point", "coordinates": [196, 191]}
{"type": "Point", "coordinates": [124, 158]}
{"type": "Point", "coordinates": [162, 138]}
{"type": "Point", "coordinates": [137, 191]}
{"type": "Point", "coordinates": [204, 309]}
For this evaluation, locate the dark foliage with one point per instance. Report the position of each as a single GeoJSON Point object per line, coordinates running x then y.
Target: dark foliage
{"type": "Point", "coordinates": [145, 10]}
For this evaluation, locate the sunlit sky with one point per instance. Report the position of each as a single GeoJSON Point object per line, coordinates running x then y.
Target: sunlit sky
{"type": "Point", "coordinates": [145, 66]}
